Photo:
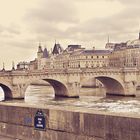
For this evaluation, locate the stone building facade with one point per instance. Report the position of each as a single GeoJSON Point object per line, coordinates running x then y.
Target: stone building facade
{"type": "Point", "coordinates": [125, 55]}
{"type": "Point", "coordinates": [23, 65]}
{"type": "Point", "coordinates": [73, 57]}
{"type": "Point", "coordinates": [118, 55]}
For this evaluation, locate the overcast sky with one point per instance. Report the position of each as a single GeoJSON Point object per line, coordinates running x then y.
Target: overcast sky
{"type": "Point", "coordinates": [25, 23]}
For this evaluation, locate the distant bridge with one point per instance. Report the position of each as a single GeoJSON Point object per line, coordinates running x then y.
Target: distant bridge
{"type": "Point", "coordinates": [67, 82]}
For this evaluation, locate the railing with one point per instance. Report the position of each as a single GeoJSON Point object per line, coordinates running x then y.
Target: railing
{"type": "Point", "coordinates": [65, 71]}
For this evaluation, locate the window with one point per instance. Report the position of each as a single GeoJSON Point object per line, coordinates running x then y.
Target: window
{"type": "Point", "coordinates": [79, 65]}
{"type": "Point", "coordinates": [97, 65]}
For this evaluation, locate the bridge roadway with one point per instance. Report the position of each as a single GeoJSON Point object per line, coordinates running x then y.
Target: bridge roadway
{"type": "Point", "coordinates": [67, 82]}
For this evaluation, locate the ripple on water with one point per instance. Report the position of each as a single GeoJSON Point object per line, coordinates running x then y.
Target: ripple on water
{"type": "Point", "coordinates": [45, 96]}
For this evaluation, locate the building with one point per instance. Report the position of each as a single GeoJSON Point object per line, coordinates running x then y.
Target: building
{"type": "Point", "coordinates": [63, 60]}
{"type": "Point", "coordinates": [57, 49]}
{"type": "Point", "coordinates": [23, 65]}
{"type": "Point", "coordinates": [126, 54]}
{"type": "Point", "coordinates": [43, 58]}
{"type": "Point", "coordinates": [94, 58]}
{"type": "Point", "coordinates": [119, 55]}
{"type": "Point", "coordinates": [33, 65]}
{"type": "Point", "coordinates": [77, 57]}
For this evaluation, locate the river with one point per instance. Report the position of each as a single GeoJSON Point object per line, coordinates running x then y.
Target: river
{"type": "Point", "coordinates": [90, 98]}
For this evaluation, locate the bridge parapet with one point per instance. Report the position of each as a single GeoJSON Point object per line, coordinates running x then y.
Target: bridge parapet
{"type": "Point", "coordinates": [65, 71]}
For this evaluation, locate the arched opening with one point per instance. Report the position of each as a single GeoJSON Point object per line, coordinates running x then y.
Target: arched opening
{"type": "Point", "coordinates": [59, 88]}
{"type": "Point", "coordinates": [112, 86]}
{"type": "Point", "coordinates": [101, 86]}
{"type": "Point", "coordinates": [38, 89]}
{"type": "Point", "coordinates": [44, 89]}
{"type": "Point", "coordinates": [5, 92]}
{"type": "Point", "coordinates": [1, 94]}
{"type": "Point", "coordinates": [92, 87]}
{"type": "Point", "coordinates": [90, 83]}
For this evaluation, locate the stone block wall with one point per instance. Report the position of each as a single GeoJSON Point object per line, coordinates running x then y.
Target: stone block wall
{"type": "Point", "coordinates": [18, 122]}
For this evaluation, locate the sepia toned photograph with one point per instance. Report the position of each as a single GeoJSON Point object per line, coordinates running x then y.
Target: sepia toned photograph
{"type": "Point", "coordinates": [69, 70]}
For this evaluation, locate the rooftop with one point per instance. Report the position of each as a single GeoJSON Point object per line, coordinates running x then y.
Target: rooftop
{"type": "Point", "coordinates": [57, 49]}
{"type": "Point", "coordinates": [96, 52]}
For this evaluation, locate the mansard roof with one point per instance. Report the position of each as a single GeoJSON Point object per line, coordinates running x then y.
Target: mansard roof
{"type": "Point", "coordinates": [96, 52]}
{"type": "Point", "coordinates": [73, 47]}
{"type": "Point", "coordinates": [134, 43]}
{"type": "Point", "coordinates": [130, 44]}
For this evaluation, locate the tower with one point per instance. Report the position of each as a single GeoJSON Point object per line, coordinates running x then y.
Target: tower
{"type": "Point", "coordinates": [3, 69]}
{"type": "Point", "coordinates": [57, 49]}
{"type": "Point", "coordinates": [45, 53]}
{"type": "Point", "coordinates": [13, 65]}
{"type": "Point", "coordinates": [40, 52]}
{"type": "Point", "coordinates": [108, 39]}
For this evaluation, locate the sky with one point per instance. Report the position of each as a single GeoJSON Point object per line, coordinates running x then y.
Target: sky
{"type": "Point", "coordinates": [26, 23]}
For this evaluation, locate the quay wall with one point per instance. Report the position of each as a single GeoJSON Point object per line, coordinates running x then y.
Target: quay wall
{"type": "Point", "coordinates": [18, 122]}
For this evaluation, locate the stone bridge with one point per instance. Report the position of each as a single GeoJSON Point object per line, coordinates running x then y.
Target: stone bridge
{"type": "Point", "coordinates": [67, 82]}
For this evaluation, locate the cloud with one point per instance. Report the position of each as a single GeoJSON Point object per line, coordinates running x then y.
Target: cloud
{"type": "Point", "coordinates": [129, 2]}
{"type": "Point", "coordinates": [54, 11]}
{"type": "Point", "coordinates": [51, 18]}
{"type": "Point", "coordinates": [59, 20]}
{"type": "Point", "coordinates": [123, 25]}
{"type": "Point", "coordinates": [13, 29]}
{"type": "Point", "coordinates": [9, 31]}
{"type": "Point", "coordinates": [68, 21]}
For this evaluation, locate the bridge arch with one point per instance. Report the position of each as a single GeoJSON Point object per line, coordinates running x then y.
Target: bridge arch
{"type": "Point", "coordinates": [112, 85]}
{"type": "Point", "coordinates": [7, 91]}
{"type": "Point", "coordinates": [60, 89]}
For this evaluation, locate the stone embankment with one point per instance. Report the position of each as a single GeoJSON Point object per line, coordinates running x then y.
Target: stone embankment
{"type": "Point", "coordinates": [66, 124]}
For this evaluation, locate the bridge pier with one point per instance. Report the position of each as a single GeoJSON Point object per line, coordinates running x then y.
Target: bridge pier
{"type": "Point", "coordinates": [18, 92]}
{"type": "Point", "coordinates": [129, 89]}
{"type": "Point", "coordinates": [73, 89]}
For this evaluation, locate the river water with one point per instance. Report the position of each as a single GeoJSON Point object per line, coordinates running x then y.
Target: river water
{"type": "Point", "coordinates": [90, 98]}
